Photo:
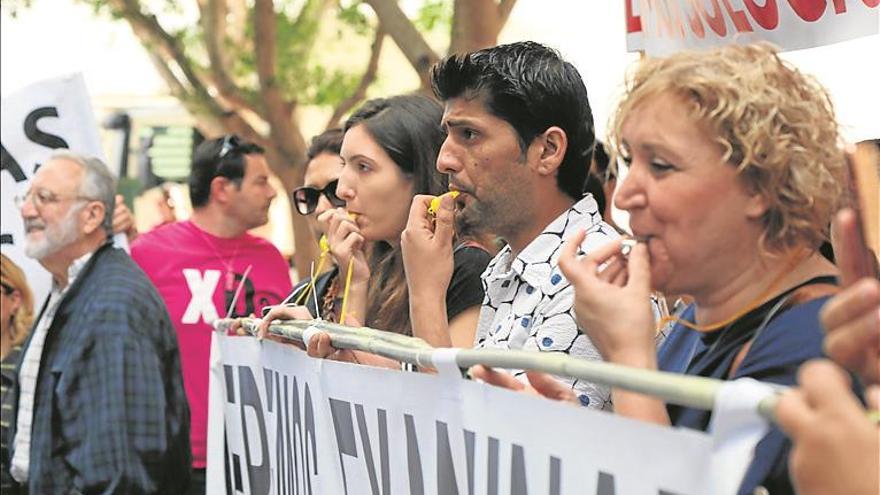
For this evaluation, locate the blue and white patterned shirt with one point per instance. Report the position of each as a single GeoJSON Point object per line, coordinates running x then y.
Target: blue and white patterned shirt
{"type": "Point", "coordinates": [529, 304]}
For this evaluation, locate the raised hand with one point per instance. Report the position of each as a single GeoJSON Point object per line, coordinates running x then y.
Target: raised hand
{"type": "Point", "coordinates": [123, 220]}
{"type": "Point", "coordinates": [426, 244]}
{"type": "Point", "coordinates": [612, 300]}
{"type": "Point", "coordinates": [852, 318]}
{"type": "Point", "coordinates": [836, 447]}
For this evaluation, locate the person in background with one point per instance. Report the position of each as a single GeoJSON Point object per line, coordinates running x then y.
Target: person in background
{"type": "Point", "coordinates": [317, 195]}
{"type": "Point", "coordinates": [123, 220]}
{"type": "Point", "coordinates": [210, 267]}
{"type": "Point", "coordinates": [836, 446]}
{"type": "Point", "coordinates": [16, 316]}
{"type": "Point", "coordinates": [99, 402]}
{"type": "Point", "coordinates": [602, 181]}
{"type": "Point", "coordinates": [390, 151]}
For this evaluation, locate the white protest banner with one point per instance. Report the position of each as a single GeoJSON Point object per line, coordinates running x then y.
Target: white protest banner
{"type": "Point", "coordinates": [35, 121]}
{"type": "Point", "coordinates": [661, 27]}
{"type": "Point", "coordinates": [297, 425]}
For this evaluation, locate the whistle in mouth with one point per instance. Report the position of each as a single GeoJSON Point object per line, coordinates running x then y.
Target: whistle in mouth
{"type": "Point", "coordinates": [435, 203]}
{"type": "Point", "coordinates": [627, 245]}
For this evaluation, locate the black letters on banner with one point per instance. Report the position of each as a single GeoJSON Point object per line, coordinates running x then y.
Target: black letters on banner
{"type": "Point", "coordinates": [9, 164]}
{"type": "Point", "coordinates": [40, 137]}
{"type": "Point", "coordinates": [296, 442]}
{"type": "Point", "coordinates": [296, 446]}
{"type": "Point", "coordinates": [258, 475]}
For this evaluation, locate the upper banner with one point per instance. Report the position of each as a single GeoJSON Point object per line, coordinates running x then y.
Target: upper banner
{"type": "Point", "coordinates": [661, 27]}
{"type": "Point", "coordinates": [37, 120]}
{"type": "Point", "coordinates": [297, 425]}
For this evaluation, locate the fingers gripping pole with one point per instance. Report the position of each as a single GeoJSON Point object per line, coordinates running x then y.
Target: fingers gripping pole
{"type": "Point", "coordinates": [308, 333]}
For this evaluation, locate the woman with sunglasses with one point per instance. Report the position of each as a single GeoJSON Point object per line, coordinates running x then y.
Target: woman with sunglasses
{"type": "Point", "coordinates": [317, 195]}
{"type": "Point", "coordinates": [16, 316]}
{"type": "Point", "coordinates": [389, 152]}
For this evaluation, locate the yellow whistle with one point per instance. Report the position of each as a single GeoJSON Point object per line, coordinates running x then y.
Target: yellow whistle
{"type": "Point", "coordinates": [435, 203]}
{"type": "Point", "coordinates": [324, 244]}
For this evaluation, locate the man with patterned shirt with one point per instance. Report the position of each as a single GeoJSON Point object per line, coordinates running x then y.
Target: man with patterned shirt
{"type": "Point", "coordinates": [520, 139]}
{"type": "Point", "coordinates": [100, 405]}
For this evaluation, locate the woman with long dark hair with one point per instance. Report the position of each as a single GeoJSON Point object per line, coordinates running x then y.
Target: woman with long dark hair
{"type": "Point", "coordinates": [389, 152]}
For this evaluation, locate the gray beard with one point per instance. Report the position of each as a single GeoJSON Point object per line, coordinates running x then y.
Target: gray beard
{"type": "Point", "coordinates": [55, 237]}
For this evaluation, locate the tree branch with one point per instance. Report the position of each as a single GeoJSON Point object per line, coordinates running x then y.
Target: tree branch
{"type": "Point", "coordinates": [152, 35]}
{"type": "Point", "coordinates": [307, 25]}
{"type": "Point", "coordinates": [213, 22]}
{"type": "Point", "coordinates": [284, 132]}
{"type": "Point", "coordinates": [239, 15]}
{"type": "Point", "coordinates": [406, 36]}
{"type": "Point", "coordinates": [366, 80]}
{"type": "Point", "coordinates": [504, 9]}
{"type": "Point", "coordinates": [211, 119]}
{"type": "Point", "coordinates": [477, 23]}
{"type": "Point", "coordinates": [177, 88]}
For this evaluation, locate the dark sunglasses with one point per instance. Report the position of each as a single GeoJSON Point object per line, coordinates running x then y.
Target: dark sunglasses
{"type": "Point", "coordinates": [231, 143]}
{"type": "Point", "coordinates": [306, 198]}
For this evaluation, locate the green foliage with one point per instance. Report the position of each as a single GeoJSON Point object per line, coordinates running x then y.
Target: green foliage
{"type": "Point", "coordinates": [304, 74]}
{"type": "Point", "coordinates": [330, 88]}
{"type": "Point", "coordinates": [352, 15]}
{"type": "Point", "coordinates": [434, 14]}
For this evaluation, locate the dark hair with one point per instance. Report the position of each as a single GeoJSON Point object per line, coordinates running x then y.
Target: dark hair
{"type": "Point", "coordinates": [407, 128]}
{"type": "Point", "coordinates": [532, 88]}
{"type": "Point", "coordinates": [602, 160]}
{"type": "Point", "coordinates": [207, 164]}
{"type": "Point", "coordinates": [329, 141]}
{"type": "Point", "coordinates": [599, 175]}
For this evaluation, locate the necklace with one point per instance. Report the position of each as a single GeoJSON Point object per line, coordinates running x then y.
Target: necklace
{"type": "Point", "coordinates": [739, 314]}
{"type": "Point", "coordinates": [229, 276]}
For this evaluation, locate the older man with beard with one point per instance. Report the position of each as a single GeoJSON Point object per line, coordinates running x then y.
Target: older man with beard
{"type": "Point", "coordinates": [100, 402]}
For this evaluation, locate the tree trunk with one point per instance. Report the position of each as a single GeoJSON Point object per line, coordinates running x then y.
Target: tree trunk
{"type": "Point", "coordinates": [304, 244]}
{"type": "Point", "coordinates": [477, 23]}
{"type": "Point", "coordinates": [407, 37]}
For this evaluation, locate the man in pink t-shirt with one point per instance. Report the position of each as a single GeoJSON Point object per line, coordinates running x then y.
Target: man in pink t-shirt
{"type": "Point", "coordinates": [203, 265]}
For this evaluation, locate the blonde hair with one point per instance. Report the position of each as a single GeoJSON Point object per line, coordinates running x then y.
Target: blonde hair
{"type": "Point", "coordinates": [11, 275]}
{"type": "Point", "coordinates": [773, 123]}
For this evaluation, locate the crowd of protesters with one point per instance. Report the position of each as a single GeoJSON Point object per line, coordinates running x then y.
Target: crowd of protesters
{"type": "Point", "coordinates": [734, 174]}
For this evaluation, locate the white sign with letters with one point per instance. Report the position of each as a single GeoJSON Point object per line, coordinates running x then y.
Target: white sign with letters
{"type": "Point", "coordinates": [661, 27]}
{"type": "Point", "coordinates": [297, 425]}
{"type": "Point", "coordinates": [36, 120]}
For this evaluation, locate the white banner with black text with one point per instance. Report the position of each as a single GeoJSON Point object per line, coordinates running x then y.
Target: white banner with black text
{"type": "Point", "coordinates": [37, 120]}
{"type": "Point", "coordinates": [282, 423]}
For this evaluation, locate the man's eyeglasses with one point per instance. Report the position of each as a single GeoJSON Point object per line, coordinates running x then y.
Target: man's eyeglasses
{"type": "Point", "coordinates": [306, 198]}
{"type": "Point", "coordinates": [43, 197]}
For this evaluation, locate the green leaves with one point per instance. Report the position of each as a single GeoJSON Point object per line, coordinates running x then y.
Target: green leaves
{"type": "Point", "coordinates": [434, 14]}
{"type": "Point", "coordinates": [352, 14]}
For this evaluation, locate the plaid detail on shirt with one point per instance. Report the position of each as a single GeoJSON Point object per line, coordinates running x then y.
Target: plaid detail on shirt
{"type": "Point", "coordinates": [29, 369]}
{"type": "Point", "coordinates": [110, 413]}
{"type": "Point", "coordinates": [7, 382]}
